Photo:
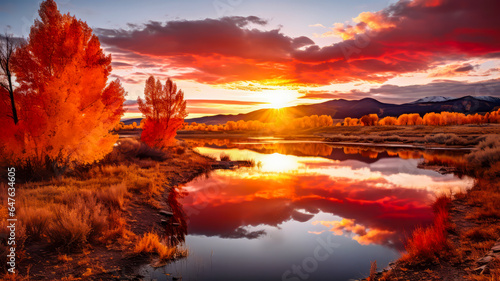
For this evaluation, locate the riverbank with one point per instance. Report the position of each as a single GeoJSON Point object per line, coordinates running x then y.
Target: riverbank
{"type": "Point", "coordinates": [464, 136]}
{"type": "Point", "coordinates": [471, 251]}
{"type": "Point", "coordinates": [471, 246]}
{"type": "Point", "coordinates": [101, 222]}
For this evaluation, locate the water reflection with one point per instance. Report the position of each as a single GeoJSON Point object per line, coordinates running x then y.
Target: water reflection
{"type": "Point", "coordinates": [176, 226]}
{"type": "Point", "coordinates": [268, 218]}
{"type": "Point", "coordinates": [335, 152]}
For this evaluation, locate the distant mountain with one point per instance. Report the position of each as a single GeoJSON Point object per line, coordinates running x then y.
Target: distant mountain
{"type": "Point", "coordinates": [488, 98]}
{"type": "Point", "coordinates": [441, 99]}
{"type": "Point", "coordinates": [433, 99]}
{"type": "Point", "coordinates": [131, 120]}
{"type": "Point", "coordinates": [339, 109]}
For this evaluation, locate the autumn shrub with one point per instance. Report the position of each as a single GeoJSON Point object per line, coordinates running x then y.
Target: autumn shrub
{"type": "Point", "coordinates": [75, 224]}
{"type": "Point", "coordinates": [448, 139]}
{"type": "Point", "coordinates": [479, 234]}
{"type": "Point", "coordinates": [484, 160]}
{"type": "Point", "coordinates": [71, 212]}
{"type": "Point", "coordinates": [117, 232]}
{"type": "Point", "coordinates": [224, 157]}
{"type": "Point", "coordinates": [489, 210]}
{"type": "Point", "coordinates": [35, 220]}
{"type": "Point", "coordinates": [131, 148]}
{"type": "Point", "coordinates": [150, 244]}
{"type": "Point", "coordinates": [113, 196]}
{"type": "Point", "coordinates": [146, 181]}
{"type": "Point", "coordinates": [427, 243]}
{"type": "Point", "coordinates": [180, 150]}
{"type": "Point", "coordinates": [70, 227]}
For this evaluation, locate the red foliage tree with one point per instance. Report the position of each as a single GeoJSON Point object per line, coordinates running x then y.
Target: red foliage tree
{"type": "Point", "coordinates": [66, 107]}
{"type": "Point", "coordinates": [369, 120]}
{"type": "Point", "coordinates": [164, 109]}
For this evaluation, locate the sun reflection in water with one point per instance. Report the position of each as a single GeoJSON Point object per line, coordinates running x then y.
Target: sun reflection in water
{"type": "Point", "coordinates": [278, 163]}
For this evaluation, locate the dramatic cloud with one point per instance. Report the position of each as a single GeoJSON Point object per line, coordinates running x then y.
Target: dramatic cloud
{"type": "Point", "coordinates": [409, 36]}
{"type": "Point", "coordinates": [403, 94]}
{"type": "Point", "coordinates": [405, 37]}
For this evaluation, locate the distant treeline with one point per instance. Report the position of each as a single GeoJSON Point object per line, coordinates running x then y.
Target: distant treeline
{"type": "Point", "coordinates": [431, 119]}
{"type": "Point", "coordinates": [307, 122]}
{"type": "Point", "coordinates": [315, 121]}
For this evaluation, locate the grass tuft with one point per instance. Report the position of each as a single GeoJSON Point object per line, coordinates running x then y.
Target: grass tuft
{"type": "Point", "coordinates": [150, 244]}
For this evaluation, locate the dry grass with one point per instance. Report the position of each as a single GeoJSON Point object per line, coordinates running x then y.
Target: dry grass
{"type": "Point", "coordinates": [15, 277]}
{"type": "Point", "coordinates": [64, 258]}
{"type": "Point", "coordinates": [481, 234]}
{"type": "Point", "coordinates": [373, 270]}
{"type": "Point", "coordinates": [35, 220]}
{"type": "Point", "coordinates": [452, 139]}
{"type": "Point", "coordinates": [429, 243]}
{"type": "Point", "coordinates": [494, 274]}
{"type": "Point", "coordinates": [485, 196]}
{"type": "Point", "coordinates": [150, 244]}
{"type": "Point", "coordinates": [132, 149]}
{"type": "Point", "coordinates": [71, 212]}
{"type": "Point", "coordinates": [113, 196]}
{"type": "Point", "coordinates": [485, 159]}
{"type": "Point", "coordinates": [88, 208]}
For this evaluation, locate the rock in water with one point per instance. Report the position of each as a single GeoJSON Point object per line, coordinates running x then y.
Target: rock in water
{"type": "Point", "coordinates": [166, 213]}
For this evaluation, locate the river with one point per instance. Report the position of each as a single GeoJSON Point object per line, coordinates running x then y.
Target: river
{"type": "Point", "coordinates": [308, 210]}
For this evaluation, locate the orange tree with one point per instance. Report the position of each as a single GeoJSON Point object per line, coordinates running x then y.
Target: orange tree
{"type": "Point", "coordinates": [67, 108]}
{"type": "Point", "coordinates": [164, 109]}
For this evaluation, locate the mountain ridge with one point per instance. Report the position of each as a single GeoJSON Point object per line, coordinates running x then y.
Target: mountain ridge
{"type": "Point", "coordinates": [341, 108]}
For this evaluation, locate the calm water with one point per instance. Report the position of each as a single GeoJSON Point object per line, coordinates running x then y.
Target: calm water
{"type": "Point", "coordinates": [307, 211]}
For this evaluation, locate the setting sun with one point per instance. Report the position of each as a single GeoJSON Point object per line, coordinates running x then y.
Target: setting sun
{"type": "Point", "coordinates": [280, 98]}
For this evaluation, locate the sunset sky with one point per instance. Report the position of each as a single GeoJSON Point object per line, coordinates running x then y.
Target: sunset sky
{"type": "Point", "coordinates": [236, 56]}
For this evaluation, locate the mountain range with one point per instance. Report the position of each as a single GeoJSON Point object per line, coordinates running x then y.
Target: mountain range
{"type": "Point", "coordinates": [341, 108]}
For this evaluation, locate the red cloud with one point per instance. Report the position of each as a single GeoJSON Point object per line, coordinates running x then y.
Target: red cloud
{"type": "Point", "coordinates": [227, 37]}
{"type": "Point", "coordinates": [405, 37]}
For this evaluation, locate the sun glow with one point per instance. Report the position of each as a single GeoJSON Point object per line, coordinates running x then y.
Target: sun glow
{"type": "Point", "coordinates": [280, 98]}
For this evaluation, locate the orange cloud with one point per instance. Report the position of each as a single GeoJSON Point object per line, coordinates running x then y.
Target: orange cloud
{"type": "Point", "coordinates": [363, 235]}
{"type": "Point", "coordinates": [406, 37]}
{"type": "Point", "coordinates": [452, 70]}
